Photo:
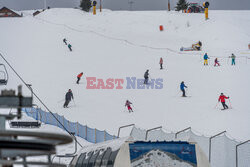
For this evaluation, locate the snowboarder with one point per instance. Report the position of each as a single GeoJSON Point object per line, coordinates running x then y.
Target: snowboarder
{"type": "Point", "coordinates": [205, 59]}
{"type": "Point", "coordinates": [216, 62]}
{"type": "Point", "coordinates": [233, 59]}
{"type": "Point", "coordinates": [223, 101]}
{"type": "Point", "coordinates": [161, 63]}
{"type": "Point", "coordinates": [68, 97]}
{"type": "Point", "coordinates": [146, 77]}
{"type": "Point", "coordinates": [182, 87]}
{"type": "Point", "coordinates": [70, 47]}
{"type": "Point", "coordinates": [65, 41]}
{"type": "Point", "coordinates": [79, 77]}
{"type": "Point", "coordinates": [128, 105]}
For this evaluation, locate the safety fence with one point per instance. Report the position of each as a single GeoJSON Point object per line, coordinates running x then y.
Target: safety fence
{"type": "Point", "coordinates": [220, 149]}
{"type": "Point", "coordinates": [83, 131]}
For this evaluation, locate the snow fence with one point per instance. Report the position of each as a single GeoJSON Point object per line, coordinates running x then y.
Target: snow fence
{"type": "Point", "coordinates": [223, 149]}
{"type": "Point", "coordinates": [83, 131]}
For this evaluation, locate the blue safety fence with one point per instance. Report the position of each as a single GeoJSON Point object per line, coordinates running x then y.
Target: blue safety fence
{"type": "Point", "coordinates": [83, 131]}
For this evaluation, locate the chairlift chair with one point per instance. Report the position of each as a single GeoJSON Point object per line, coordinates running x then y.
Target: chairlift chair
{"type": "Point", "coordinates": [3, 78]}
{"type": "Point", "coordinates": [25, 124]}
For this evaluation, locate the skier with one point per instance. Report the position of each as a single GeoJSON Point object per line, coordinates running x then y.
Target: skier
{"type": "Point", "coordinates": [79, 77]}
{"type": "Point", "coordinates": [233, 59]}
{"type": "Point", "coordinates": [223, 101]}
{"type": "Point", "coordinates": [65, 41]}
{"type": "Point", "coordinates": [216, 62]}
{"type": "Point", "coordinates": [128, 104]}
{"type": "Point", "coordinates": [70, 47]}
{"type": "Point", "coordinates": [68, 97]}
{"type": "Point", "coordinates": [146, 77]}
{"type": "Point", "coordinates": [182, 87]}
{"type": "Point", "coordinates": [161, 63]}
{"type": "Point", "coordinates": [205, 59]}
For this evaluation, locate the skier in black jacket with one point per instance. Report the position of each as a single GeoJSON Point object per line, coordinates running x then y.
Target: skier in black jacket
{"type": "Point", "coordinates": [146, 77]}
{"type": "Point", "coordinates": [68, 97]}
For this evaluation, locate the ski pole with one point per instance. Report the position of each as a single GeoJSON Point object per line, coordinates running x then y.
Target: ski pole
{"type": "Point", "coordinates": [230, 104]}
{"type": "Point", "coordinates": [74, 102]}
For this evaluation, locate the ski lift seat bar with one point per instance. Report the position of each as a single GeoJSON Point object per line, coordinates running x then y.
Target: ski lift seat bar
{"type": "Point", "coordinates": [22, 124]}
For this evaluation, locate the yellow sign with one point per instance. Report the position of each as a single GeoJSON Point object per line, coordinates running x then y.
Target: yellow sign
{"type": "Point", "coordinates": [94, 10]}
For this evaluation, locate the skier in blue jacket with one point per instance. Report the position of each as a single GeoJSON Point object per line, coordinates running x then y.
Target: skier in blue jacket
{"type": "Point", "coordinates": [182, 87]}
{"type": "Point", "coordinates": [206, 59]}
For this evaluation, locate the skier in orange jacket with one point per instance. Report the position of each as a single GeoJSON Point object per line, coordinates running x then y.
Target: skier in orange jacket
{"type": "Point", "coordinates": [79, 77]}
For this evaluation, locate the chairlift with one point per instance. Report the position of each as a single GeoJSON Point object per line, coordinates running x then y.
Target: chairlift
{"type": "Point", "coordinates": [4, 75]}
{"type": "Point", "coordinates": [25, 124]}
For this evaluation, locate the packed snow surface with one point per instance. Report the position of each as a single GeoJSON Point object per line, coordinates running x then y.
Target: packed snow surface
{"type": "Point", "coordinates": [125, 44]}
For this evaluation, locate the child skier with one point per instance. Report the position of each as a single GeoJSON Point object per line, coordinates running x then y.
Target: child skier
{"type": "Point", "coordinates": [216, 62]}
{"type": "Point", "coordinates": [223, 101]}
{"type": "Point", "coordinates": [161, 63]}
{"type": "Point", "coordinates": [205, 59]}
{"type": "Point", "coordinates": [70, 47]}
{"type": "Point", "coordinates": [127, 104]}
{"type": "Point", "coordinates": [68, 97]}
{"type": "Point", "coordinates": [65, 41]}
{"type": "Point", "coordinates": [182, 87]}
{"type": "Point", "coordinates": [233, 59]}
{"type": "Point", "coordinates": [146, 77]}
{"type": "Point", "coordinates": [79, 77]}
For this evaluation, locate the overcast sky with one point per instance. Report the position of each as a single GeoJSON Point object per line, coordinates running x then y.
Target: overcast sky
{"type": "Point", "coordinates": [124, 4]}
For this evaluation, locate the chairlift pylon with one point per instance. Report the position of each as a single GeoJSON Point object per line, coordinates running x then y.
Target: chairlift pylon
{"type": "Point", "coordinates": [5, 77]}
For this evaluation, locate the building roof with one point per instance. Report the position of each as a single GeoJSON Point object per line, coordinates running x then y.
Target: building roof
{"type": "Point", "coordinates": [15, 12]}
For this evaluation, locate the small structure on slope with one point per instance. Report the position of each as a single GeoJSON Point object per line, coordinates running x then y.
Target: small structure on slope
{"type": "Point", "coordinates": [36, 13]}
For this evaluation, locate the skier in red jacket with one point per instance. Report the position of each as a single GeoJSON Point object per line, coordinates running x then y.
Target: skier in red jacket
{"type": "Point", "coordinates": [79, 77]}
{"type": "Point", "coordinates": [128, 103]}
{"type": "Point", "coordinates": [223, 101]}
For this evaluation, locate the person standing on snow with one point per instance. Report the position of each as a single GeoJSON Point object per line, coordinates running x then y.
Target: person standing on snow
{"type": "Point", "coordinates": [146, 77]}
{"type": "Point", "coordinates": [216, 62]}
{"type": "Point", "coordinates": [233, 59]}
{"type": "Point", "coordinates": [70, 47]}
{"type": "Point", "coordinates": [68, 97]}
{"type": "Point", "coordinates": [65, 41]}
{"type": "Point", "coordinates": [182, 87]}
{"type": "Point", "coordinates": [223, 101]}
{"type": "Point", "coordinates": [205, 59]}
{"type": "Point", "coordinates": [128, 105]}
{"type": "Point", "coordinates": [79, 77]}
{"type": "Point", "coordinates": [161, 63]}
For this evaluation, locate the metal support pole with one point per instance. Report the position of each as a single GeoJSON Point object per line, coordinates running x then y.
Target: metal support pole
{"type": "Point", "coordinates": [122, 128]}
{"type": "Point", "coordinates": [210, 139]}
{"type": "Point", "coordinates": [189, 128]}
{"type": "Point", "coordinates": [146, 137]}
{"type": "Point", "coordinates": [100, 5]}
{"type": "Point", "coordinates": [45, 4]}
{"type": "Point", "coordinates": [237, 150]}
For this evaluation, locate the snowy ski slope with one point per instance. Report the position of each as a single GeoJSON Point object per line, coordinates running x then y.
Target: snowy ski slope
{"type": "Point", "coordinates": [124, 44]}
